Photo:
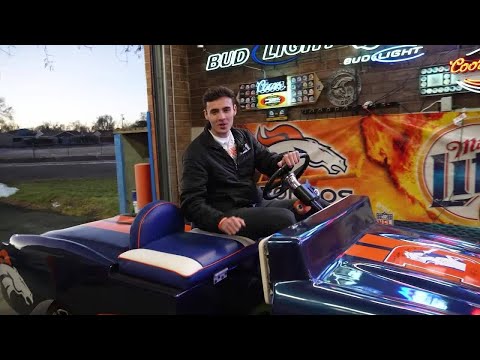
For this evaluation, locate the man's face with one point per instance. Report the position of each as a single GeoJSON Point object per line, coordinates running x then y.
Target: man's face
{"type": "Point", "coordinates": [220, 114]}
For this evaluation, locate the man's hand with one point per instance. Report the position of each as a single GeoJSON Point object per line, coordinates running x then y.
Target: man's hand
{"type": "Point", "coordinates": [291, 158]}
{"type": "Point", "coordinates": [231, 225]}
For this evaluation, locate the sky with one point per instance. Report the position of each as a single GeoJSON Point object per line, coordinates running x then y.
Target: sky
{"type": "Point", "coordinates": [85, 83]}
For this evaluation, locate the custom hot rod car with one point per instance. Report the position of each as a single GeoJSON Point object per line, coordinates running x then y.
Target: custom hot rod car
{"type": "Point", "coordinates": [338, 260]}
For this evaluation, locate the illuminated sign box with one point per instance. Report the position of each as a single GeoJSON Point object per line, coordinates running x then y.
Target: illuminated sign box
{"type": "Point", "coordinates": [438, 80]}
{"type": "Point", "coordinates": [304, 88]}
{"type": "Point", "coordinates": [277, 115]}
{"type": "Point", "coordinates": [273, 93]}
{"type": "Point", "coordinates": [280, 92]}
{"type": "Point", "coordinates": [247, 96]}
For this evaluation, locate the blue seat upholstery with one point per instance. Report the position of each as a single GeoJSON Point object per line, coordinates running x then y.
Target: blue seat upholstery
{"type": "Point", "coordinates": [106, 236]}
{"type": "Point", "coordinates": [161, 251]}
{"type": "Point", "coordinates": [154, 221]}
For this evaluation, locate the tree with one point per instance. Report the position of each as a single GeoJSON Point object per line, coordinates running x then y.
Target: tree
{"type": "Point", "coordinates": [104, 122]}
{"type": "Point", "coordinates": [49, 127]}
{"type": "Point", "coordinates": [143, 116]}
{"type": "Point", "coordinates": [6, 117]}
{"type": "Point", "coordinates": [78, 126]}
{"type": "Point", "coordinates": [142, 122]}
{"type": "Point", "coordinates": [7, 125]}
{"type": "Point", "coordinates": [6, 112]}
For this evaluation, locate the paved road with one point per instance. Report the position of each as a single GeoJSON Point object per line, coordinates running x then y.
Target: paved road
{"type": "Point", "coordinates": [57, 170]}
{"type": "Point", "coordinates": [17, 220]}
{"type": "Point", "coordinates": [4, 308]}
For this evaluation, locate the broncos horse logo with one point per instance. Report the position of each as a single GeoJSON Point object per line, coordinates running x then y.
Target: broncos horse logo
{"type": "Point", "coordinates": [11, 280]}
{"type": "Point", "coordinates": [431, 257]}
{"type": "Point", "coordinates": [285, 138]}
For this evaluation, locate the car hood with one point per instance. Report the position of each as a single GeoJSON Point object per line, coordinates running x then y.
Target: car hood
{"type": "Point", "coordinates": [431, 272]}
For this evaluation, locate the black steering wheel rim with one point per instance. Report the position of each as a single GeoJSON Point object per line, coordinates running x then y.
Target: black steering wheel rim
{"type": "Point", "coordinates": [277, 180]}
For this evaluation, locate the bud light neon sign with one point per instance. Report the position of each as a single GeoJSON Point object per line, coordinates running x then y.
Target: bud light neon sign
{"type": "Point", "coordinates": [271, 55]}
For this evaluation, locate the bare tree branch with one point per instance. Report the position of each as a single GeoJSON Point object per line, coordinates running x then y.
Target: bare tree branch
{"type": "Point", "coordinates": [89, 47]}
{"type": "Point", "coordinates": [7, 49]}
{"type": "Point", "coordinates": [121, 53]}
{"type": "Point", "coordinates": [126, 50]}
{"type": "Point", "coordinates": [48, 62]}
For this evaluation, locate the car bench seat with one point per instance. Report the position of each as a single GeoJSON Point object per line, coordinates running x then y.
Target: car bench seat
{"type": "Point", "coordinates": [161, 250]}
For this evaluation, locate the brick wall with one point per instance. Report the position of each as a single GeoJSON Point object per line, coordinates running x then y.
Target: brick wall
{"type": "Point", "coordinates": [392, 82]}
{"type": "Point", "coordinates": [384, 82]}
{"type": "Point", "coordinates": [179, 111]}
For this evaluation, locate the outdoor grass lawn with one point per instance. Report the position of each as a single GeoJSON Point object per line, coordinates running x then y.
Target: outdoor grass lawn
{"type": "Point", "coordinates": [93, 198]}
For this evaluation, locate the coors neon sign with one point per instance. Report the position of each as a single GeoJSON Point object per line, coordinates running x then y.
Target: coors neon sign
{"type": "Point", "coordinates": [470, 79]}
{"type": "Point", "coordinates": [282, 54]}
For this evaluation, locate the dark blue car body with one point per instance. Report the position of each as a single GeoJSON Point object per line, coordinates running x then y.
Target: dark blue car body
{"type": "Point", "coordinates": [337, 261]}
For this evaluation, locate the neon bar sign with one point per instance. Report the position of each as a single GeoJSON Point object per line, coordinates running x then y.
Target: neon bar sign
{"type": "Point", "coordinates": [389, 55]}
{"type": "Point", "coordinates": [265, 87]}
{"type": "Point", "coordinates": [270, 53]}
{"type": "Point", "coordinates": [460, 66]}
{"type": "Point", "coordinates": [281, 54]}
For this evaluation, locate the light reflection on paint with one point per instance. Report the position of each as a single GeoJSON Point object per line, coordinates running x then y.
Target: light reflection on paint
{"type": "Point", "coordinates": [329, 305]}
{"type": "Point", "coordinates": [315, 229]}
{"type": "Point", "coordinates": [423, 297]}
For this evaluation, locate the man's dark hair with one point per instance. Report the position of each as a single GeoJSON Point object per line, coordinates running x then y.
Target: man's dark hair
{"type": "Point", "coordinates": [217, 92]}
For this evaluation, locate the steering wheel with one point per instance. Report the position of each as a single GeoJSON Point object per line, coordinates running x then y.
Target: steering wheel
{"type": "Point", "coordinates": [277, 185]}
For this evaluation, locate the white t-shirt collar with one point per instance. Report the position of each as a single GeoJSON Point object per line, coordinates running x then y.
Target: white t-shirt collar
{"type": "Point", "coordinates": [224, 141]}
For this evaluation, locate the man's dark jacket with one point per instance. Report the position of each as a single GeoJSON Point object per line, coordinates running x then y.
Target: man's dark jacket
{"type": "Point", "coordinates": [213, 182]}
